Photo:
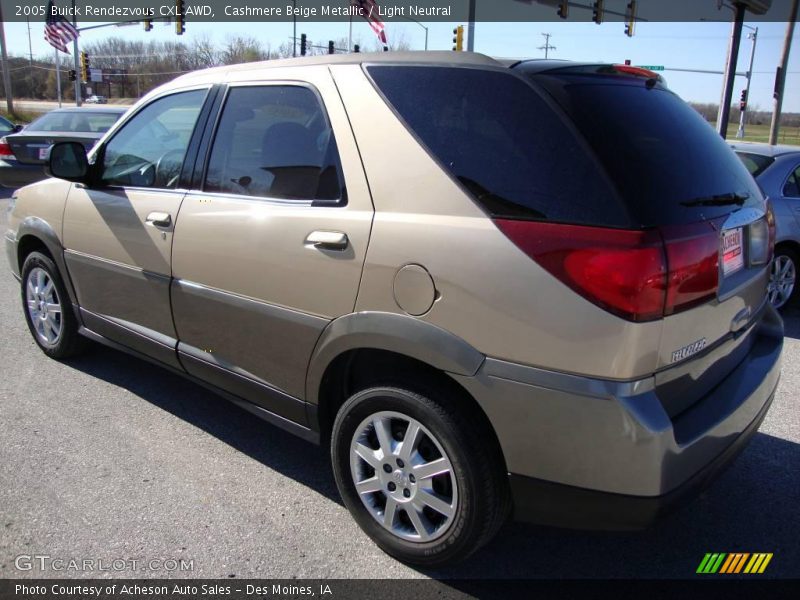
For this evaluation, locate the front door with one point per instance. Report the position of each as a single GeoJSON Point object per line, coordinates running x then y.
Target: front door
{"type": "Point", "coordinates": [118, 231]}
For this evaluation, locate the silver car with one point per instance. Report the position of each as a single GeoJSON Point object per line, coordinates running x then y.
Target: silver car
{"type": "Point", "coordinates": [777, 171]}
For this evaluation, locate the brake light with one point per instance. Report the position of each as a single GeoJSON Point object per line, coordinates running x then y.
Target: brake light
{"type": "Point", "coordinates": [693, 265]}
{"type": "Point", "coordinates": [637, 71]}
{"type": "Point", "coordinates": [5, 150]}
{"type": "Point", "coordinates": [639, 275]}
{"type": "Point", "coordinates": [622, 271]}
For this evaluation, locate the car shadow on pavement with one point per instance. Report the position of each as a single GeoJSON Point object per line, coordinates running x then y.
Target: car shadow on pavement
{"type": "Point", "coordinates": [281, 451]}
{"type": "Point", "coordinates": [791, 322]}
{"type": "Point", "coordinates": [752, 507]}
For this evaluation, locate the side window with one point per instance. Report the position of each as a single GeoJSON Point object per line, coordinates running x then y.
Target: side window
{"type": "Point", "coordinates": [149, 149]}
{"type": "Point", "coordinates": [275, 142]}
{"type": "Point", "coordinates": [792, 187]}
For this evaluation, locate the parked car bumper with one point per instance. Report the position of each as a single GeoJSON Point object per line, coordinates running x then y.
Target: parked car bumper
{"type": "Point", "coordinates": [15, 175]}
{"type": "Point", "coordinates": [605, 455]}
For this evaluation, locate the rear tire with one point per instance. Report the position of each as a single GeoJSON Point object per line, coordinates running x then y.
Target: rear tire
{"type": "Point", "coordinates": [47, 308]}
{"type": "Point", "coordinates": [448, 491]}
{"type": "Point", "coordinates": [783, 289]}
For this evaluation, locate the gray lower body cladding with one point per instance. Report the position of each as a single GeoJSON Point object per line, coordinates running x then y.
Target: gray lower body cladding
{"type": "Point", "coordinates": [570, 440]}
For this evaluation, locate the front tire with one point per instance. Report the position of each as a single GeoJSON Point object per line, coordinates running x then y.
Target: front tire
{"type": "Point", "coordinates": [47, 309]}
{"type": "Point", "coordinates": [419, 473]}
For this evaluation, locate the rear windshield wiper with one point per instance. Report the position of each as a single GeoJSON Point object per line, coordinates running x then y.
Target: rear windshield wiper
{"type": "Point", "coordinates": [718, 200]}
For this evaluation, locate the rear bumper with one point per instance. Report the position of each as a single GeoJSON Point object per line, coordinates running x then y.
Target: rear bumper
{"type": "Point", "coordinates": [601, 454]}
{"type": "Point", "coordinates": [15, 175]}
{"type": "Point", "coordinates": [565, 506]}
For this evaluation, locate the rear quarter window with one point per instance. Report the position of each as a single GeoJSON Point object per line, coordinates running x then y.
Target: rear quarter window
{"type": "Point", "coordinates": [503, 141]}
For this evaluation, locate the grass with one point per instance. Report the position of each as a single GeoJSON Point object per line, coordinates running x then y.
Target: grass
{"type": "Point", "coordinates": [760, 133]}
{"type": "Point", "coordinates": [19, 116]}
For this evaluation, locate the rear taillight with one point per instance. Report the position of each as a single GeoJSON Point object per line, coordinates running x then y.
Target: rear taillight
{"type": "Point", "coordinates": [772, 232]}
{"type": "Point", "coordinates": [639, 275]}
{"type": "Point", "coordinates": [5, 150]}
{"type": "Point", "coordinates": [693, 265]}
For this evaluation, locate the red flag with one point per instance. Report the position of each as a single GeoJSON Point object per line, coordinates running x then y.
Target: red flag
{"type": "Point", "coordinates": [370, 12]}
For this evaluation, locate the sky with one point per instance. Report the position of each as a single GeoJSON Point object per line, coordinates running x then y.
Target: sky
{"type": "Point", "coordinates": [701, 46]}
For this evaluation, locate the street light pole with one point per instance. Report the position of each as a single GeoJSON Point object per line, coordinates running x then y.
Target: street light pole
{"type": "Point", "coordinates": [753, 36]}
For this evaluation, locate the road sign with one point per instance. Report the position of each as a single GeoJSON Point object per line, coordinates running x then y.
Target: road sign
{"type": "Point", "coordinates": [652, 67]}
{"type": "Point", "coordinates": [95, 75]}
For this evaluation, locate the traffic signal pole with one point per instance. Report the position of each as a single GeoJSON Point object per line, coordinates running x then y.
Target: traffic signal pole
{"type": "Point", "coordinates": [746, 100]}
{"type": "Point", "coordinates": [780, 79]}
{"type": "Point", "coordinates": [471, 27]}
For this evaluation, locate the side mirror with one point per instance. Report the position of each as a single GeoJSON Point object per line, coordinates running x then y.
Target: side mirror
{"type": "Point", "coordinates": [67, 160]}
{"type": "Point", "coordinates": [18, 128]}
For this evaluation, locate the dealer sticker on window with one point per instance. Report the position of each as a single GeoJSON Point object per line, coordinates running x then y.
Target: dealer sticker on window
{"type": "Point", "coordinates": [732, 252]}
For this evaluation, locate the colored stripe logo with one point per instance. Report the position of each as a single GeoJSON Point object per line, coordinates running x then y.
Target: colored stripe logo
{"type": "Point", "coordinates": [733, 563]}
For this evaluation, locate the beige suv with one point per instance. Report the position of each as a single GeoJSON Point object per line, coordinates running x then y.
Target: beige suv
{"type": "Point", "coordinates": [482, 285]}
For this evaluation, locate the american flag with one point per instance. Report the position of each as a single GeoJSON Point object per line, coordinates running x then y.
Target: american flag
{"type": "Point", "coordinates": [369, 10]}
{"type": "Point", "coordinates": [57, 30]}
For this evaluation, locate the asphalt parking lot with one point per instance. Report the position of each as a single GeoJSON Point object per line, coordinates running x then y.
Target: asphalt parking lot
{"type": "Point", "coordinates": [107, 457]}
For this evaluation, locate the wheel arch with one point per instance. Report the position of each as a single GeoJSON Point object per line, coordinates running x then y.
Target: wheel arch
{"type": "Point", "coordinates": [35, 234]}
{"type": "Point", "coordinates": [364, 348]}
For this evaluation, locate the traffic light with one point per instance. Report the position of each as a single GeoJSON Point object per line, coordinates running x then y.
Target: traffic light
{"type": "Point", "coordinates": [743, 101]}
{"type": "Point", "coordinates": [630, 18]}
{"type": "Point", "coordinates": [180, 23]}
{"type": "Point", "coordinates": [563, 9]}
{"type": "Point", "coordinates": [73, 75]}
{"type": "Point", "coordinates": [331, 48]}
{"type": "Point", "coordinates": [148, 24]}
{"type": "Point", "coordinates": [84, 66]}
{"type": "Point", "coordinates": [303, 44]}
{"type": "Point", "coordinates": [597, 11]}
{"type": "Point", "coordinates": [458, 38]}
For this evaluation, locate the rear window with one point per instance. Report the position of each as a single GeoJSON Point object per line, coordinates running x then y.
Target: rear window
{"type": "Point", "coordinates": [504, 142]}
{"type": "Point", "coordinates": [755, 163]}
{"type": "Point", "coordinates": [668, 164]}
{"type": "Point", "coordinates": [83, 122]}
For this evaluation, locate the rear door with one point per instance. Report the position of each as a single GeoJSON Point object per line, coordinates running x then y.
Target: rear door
{"type": "Point", "coordinates": [118, 232]}
{"type": "Point", "coordinates": [270, 246]}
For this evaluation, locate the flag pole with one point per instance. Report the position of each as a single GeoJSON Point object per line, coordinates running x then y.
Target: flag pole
{"type": "Point", "coordinates": [58, 77]}
{"type": "Point", "coordinates": [78, 98]}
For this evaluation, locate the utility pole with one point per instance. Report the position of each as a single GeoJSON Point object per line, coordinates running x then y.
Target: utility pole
{"type": "Point", "coordinates": [30, 58]}
{"type": "Point", "coordinates": [730, 70]}
{"type": "Point", "coordinates": [471, 27]}
{"type": "Point", "coordinates": [547, 47]}
{"type": "Point", "coordinates": [6, 72]}
{"type": "Point", "coordinates": [753, 36]}
{"type": "Point", "coordinates": [780, 78]}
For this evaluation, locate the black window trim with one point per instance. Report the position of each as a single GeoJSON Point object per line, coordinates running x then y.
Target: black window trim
{"type": "Point", "coordinates": [201, 170]}
{"type": "Point", "coordinates": [99, 154]}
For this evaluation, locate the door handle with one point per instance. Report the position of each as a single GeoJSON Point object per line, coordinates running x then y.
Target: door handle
{"type": "Point", "coordinates": [327, 240]}
{"type": "Point", "coordinates": [160, 219]}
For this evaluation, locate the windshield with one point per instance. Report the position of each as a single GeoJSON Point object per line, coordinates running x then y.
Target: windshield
{"type": "Point", "coordinates": [77, 121]}
{"type": "Point", "coordinates": [755, 163]}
